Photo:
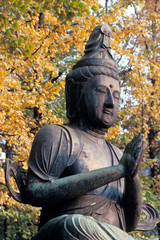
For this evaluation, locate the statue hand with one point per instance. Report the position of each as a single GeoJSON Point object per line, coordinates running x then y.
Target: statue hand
{"type": "Point", "coordinates": [132, 156]}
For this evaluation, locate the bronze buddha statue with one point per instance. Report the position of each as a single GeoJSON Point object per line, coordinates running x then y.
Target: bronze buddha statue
{"type": "Point", "coordinates": [87, 188]}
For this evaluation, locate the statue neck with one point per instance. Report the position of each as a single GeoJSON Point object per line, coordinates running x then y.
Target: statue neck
{"type": "Point", "coordinates": [96, 132]}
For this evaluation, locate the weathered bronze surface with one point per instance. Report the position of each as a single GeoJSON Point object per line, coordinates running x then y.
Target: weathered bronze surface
{"type": "Point", "coordinates": [88, 188]}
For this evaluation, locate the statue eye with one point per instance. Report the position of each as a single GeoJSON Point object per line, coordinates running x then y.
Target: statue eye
{"type": "Point", "coordinates": [116, 94]}
{"type": "Point", "coordinates": [102, 89]}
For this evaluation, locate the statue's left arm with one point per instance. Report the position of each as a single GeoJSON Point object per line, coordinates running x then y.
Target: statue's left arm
{"type": "Point", "coordinates": [132, 194]}
{"type": "Point", "coordinates": [132, 203]}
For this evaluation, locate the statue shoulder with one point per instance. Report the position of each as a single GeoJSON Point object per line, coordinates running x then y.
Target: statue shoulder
{"type": "Point", "coordinates": [49, 131]}
{"type": "Point", "coordinates": [50, 152]}
{"type": "Point", "coordinates": [56, 133]}
{"type": "Point", "coordinates": [51, 135]}
{"type": "Point", "coordinates": [54, 148]}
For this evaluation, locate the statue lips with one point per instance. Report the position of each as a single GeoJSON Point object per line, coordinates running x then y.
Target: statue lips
{"type": "Point", "coordinates": [106, 111]}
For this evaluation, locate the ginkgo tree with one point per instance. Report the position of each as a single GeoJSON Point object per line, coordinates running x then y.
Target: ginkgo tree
{"type": "Point", "coordinates": [39, 43]}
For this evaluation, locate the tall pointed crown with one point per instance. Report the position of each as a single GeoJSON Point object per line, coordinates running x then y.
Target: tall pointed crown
{"type": "Point", "coordinates": [97, 59]}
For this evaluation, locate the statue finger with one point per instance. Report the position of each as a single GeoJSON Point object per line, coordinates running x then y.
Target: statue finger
{"type": "Point", "coordinates": [140, 156]}
{"type": "Point", "coordinates": [129, 145]}
{"type": "Point", "coordinates": [139, 160]}
{"type": "Point", "coordinates": [135, 140]}
{"type": "Point", "coordinates": [137, 145]}
{"type": "Point", "coordinates": [137, 153]}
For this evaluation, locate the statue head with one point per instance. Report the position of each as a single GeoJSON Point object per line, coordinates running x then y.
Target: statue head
{"type": "Point", "coordinates": [94, 72]}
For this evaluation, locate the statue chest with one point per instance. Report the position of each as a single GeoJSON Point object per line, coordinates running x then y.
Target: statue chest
{"type": "Point", "coordinates": [94, 154]}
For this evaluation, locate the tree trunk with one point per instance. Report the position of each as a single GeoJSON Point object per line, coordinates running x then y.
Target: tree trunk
{"type": "Point", "coordinates": [106, 6]}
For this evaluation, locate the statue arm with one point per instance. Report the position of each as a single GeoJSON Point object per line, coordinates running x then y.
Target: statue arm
{"type": "Point", "coordinates": [132, 195]}
{"type": "Point", "coordinates": [39, 193]}
{"type": "Point", "coordinates": [132, 203]}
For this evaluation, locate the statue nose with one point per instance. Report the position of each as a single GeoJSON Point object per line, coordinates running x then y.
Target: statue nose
{"type": "Point", "coordinates": [109, 102]}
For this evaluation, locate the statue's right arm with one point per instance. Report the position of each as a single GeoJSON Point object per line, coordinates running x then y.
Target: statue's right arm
{"type": "Point", "coordinates": [39, 193]}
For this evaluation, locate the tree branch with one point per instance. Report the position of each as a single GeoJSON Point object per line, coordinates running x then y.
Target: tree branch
{"type": "Point", "coordinates": [5, 133]}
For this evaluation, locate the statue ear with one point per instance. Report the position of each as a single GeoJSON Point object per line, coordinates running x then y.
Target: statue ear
{"type": "Point", "coordinates": [69, 90]}
{"type": "Point", "coordinates": [70, 98]}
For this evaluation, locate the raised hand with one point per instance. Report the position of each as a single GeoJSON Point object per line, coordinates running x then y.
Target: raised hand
{"type": "Point", "coordinates": [132, 156]}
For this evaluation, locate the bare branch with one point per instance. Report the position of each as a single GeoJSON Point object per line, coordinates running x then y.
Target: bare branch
{"type": "Point", "coordinates": [5, 133]}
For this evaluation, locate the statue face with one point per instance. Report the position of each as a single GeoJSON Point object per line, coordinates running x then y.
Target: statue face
{"type": "Point", "coordinates": [100, 103]}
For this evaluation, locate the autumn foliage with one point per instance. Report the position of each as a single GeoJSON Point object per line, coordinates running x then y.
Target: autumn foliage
{"type": "Point", "coordinates": [39, 43]}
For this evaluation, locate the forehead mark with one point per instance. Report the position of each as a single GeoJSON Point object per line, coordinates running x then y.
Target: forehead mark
{"type": "Point", "coordinates": [108, 82]}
